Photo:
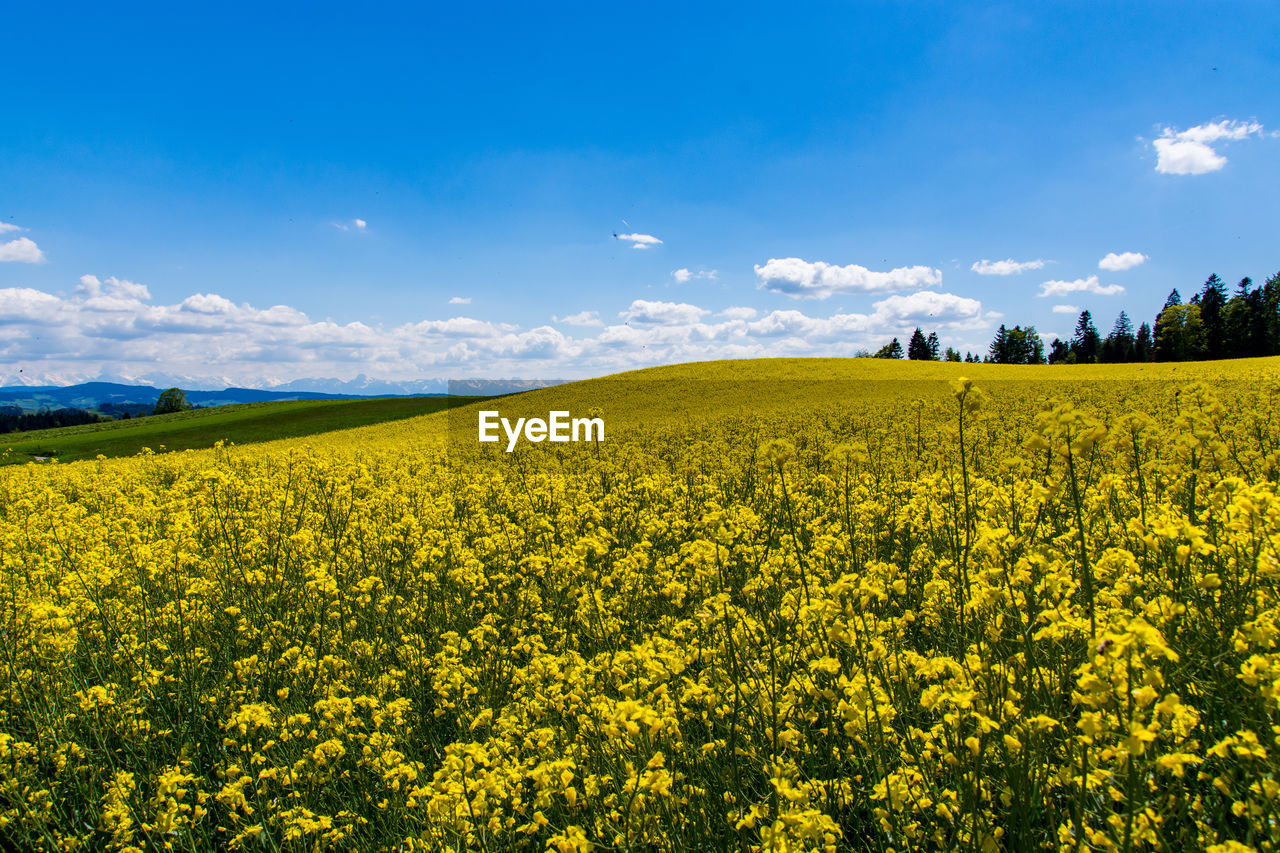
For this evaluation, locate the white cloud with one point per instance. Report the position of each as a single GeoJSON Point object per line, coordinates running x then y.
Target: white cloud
{"type": "Point", "coordinates": [644, 312]}
{"type": "Point", "coordinates": [894, 315]}
{"type": "Point", "coordinates": [683, 332]}
{"type": "Point", "coordinates": [351, 225]}
{"type": "Point", "coordinates": [460, 300]}
{"type": "Point", "coordinates": [89, 285]}
{"type": "Point", "coordinates": [207, 303]}
{"type": "Point", "coordinates": [1080, 285]}
{"type": "Point", "coordinates": [22, 251]}
{"type": "Point", "coordinates": [9, 226]}
{"type": "Point", "coordinates": [1008, 267]}
{"type": "Point", "coordinates": [801, 279]}
{"type": "Point", "coordinates": [111, 323]}
{"type": "Point", "coordinates": [25, 303]}
{"type": "Point", "coordinates": [1065, 309]}
{"type": "Point", "coordinates": [1122, 261]}
{"type": "Point", "coordinates": [582, 318]}
{"type": "Point", "coordinates": [110, 326]}
{"type": "Point", "coordinates": [682, 275]}
{"type": "Point", "coordinates": [113, 289]}
{"type": "Point", "coordinates": [640, 241]}
{"type": "Point", "coordinates": [463, 327]}
{"type": "Point", "coordinates": [928, 306]}
{"type": "Point", "coordinates": [1188, 152]}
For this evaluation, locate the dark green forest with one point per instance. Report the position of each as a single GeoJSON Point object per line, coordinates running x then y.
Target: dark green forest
{"type": "Point", "coordinates": [13, 419]}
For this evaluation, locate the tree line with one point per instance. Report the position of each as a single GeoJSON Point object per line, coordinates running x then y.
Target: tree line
{"type": "Point", "coordinates": [14, 419]}
{"type": "Point", "coordinates": [1210, 325]}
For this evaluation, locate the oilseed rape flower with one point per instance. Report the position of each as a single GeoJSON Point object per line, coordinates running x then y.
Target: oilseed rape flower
{"type": "Point", "coordinates": [1022, 615]}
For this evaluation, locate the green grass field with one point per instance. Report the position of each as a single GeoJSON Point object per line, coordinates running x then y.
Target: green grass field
{"type": "Point", "coordinates": [201, 428]}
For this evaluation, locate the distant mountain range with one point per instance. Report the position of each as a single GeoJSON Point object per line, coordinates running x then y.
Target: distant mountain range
{"type": "Point", "coordinates": [93, 395]}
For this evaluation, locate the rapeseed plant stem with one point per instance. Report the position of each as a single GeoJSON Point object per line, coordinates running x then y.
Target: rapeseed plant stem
{"type": "Point", "coordinates": [1086, 569]}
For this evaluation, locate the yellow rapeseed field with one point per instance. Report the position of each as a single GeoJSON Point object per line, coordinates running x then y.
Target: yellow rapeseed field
{"type": "Point", "coordinates": [786, 605]}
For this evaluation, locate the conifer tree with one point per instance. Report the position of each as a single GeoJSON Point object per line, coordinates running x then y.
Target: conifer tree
{"type": "Point", "coordinates": [1212, 298]}
{"type": "Point", "coordinates": [893, 349]}
{"type": "Point", "coordinates": [1086, 341]}
{"type": "Point", "coordinates": [1118, 346]}
{"type": "Point", "coordinates": [1143, 345]}
{"type": "Point", "coordinates": [918, 348]}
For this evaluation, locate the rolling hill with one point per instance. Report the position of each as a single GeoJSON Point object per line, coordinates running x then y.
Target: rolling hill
{"type": "Point", "coordinates": [202, 428]}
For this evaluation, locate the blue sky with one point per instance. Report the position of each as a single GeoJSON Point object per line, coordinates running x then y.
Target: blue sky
{"type": "Point", "coordinates": [226, 195]}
